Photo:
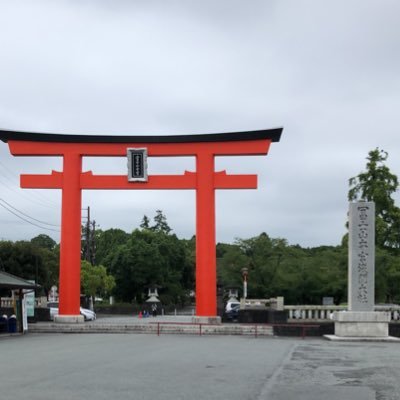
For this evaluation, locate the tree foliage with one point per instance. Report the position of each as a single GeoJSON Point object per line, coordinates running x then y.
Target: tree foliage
{"type": "Point", "coordinates": [44, 241]}
{"type": "Point", "coordinates": [378, 184]}
{"type": "Point", "coordinates": [108, 240]}
{"type": "Point", "coordinates": [145, 224]}
{"type": "Point", "coordinates": [147, 258]}
{"type": "Point", "coordinates": [95, 281]}
{"type": "Point", "coordinates": [30, 262]}
{"type": "Point", "coordinates": [302, 276]}
{"type": "Point", "coordinates": [128, 263]}
{"type": "Point", "coordinates": [160, 223]}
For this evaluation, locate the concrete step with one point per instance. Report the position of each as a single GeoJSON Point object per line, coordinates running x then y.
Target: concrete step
{"type": "Point", "coordinates": [153, 328]}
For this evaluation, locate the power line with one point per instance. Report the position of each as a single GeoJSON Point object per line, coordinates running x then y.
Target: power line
{"type": "Point", "coordinates": [29, 222]}
{"type": "Point", "coordinates": [26, 215]}
{"type": "Point", "coordinates": [34, 193]}
{"type": "Point", "coordinates": [19, 193]}
{"type": "Point", "coordinates": [7, 169]}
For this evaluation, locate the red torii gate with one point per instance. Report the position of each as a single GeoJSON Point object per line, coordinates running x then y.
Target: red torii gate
{"type": "Point", "coordinates": [204, 180]}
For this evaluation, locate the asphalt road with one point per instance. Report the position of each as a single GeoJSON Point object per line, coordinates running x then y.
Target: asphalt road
{"type": "Point", "coordinates": [134, 366]}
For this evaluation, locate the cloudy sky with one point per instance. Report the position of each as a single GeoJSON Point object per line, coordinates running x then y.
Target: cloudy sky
{"type": "Point", "coordinates": [325, 71]}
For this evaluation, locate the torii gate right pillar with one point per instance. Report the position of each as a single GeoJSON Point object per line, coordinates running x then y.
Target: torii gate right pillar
{"type": "Point", "coordinates": [206, 271]}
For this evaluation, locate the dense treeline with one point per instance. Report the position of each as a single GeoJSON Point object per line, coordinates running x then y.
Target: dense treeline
{"type": "Point", "coordinates": [36, 260]}
{"type": "Point", "coordinates": [145, 257]}
{"type": "Point", "coordinates": [126, 264]}
{"type": "Point", "coordinates": [302, 276]}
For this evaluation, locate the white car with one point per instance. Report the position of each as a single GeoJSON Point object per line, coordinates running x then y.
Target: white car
{"type": "Point", "coordinates": [89, 315]}
{"type": "Point", "coordinates": [231, 305]}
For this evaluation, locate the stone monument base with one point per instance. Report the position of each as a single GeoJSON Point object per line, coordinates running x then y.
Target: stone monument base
{"type": "Point", "coordinates": [206, 320]}
{"type": "Point", "coordinates": [335, 338]}
{"type": "Point", "coordinates": [361, 325]}
{"type": "Point", "coordinates": [69, 319]}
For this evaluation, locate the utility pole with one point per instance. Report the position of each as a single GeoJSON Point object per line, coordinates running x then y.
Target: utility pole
{"type": "Point", "coordinates": [89, 240]}
{"type": "Point", "coordinates": [87, 236]}
{"type": "Point", "coordinates": [93, 244]}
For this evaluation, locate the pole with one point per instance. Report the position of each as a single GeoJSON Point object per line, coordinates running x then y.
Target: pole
{"type": "Point", "coordinates": [93, 244]}
{"type": "Point", "coordinates": [87, 240]}
{"type": "Point", "coordinates": [206, 274]}
{"type": "Point", "coordinates": [245, 273]}
{"type": "Point", "coordinates": [70, 246]}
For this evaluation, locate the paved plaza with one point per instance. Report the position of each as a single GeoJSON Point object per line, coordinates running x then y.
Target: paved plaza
{"type": "Point", "coordinates": [173, 367]}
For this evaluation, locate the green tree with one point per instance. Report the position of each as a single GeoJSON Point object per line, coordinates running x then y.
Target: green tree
{"type": "Point", "coordinates": [230, 264]}
{"type": "Point", "coordinates": [265, 256]}
{"type": "Point", "coordinates": [31, 262]}
{"type": "Point", "coordinates": [261, 255]}
{"type": "Point", "coordinates": [49, 255]}
{"type": "Point", "coordinates": [95, 281]}
{"type": "Point", "coordinates": [150, 257]}
{"type": "Point", "coordinates": [387, 277]}
{"type": "Point", "coordinates": [324, 273]}
{"type": "Point", "coordinates": [145, 224]}
{"type": "Point", "coordinates": [107, 241]}
{"type": "Point", "coordinates": [188, 267]}
{"type": "Point", "coordinates": [44, 241]}
{"type": "Point", "coordinates": [161, 224]}
{"type": "Point", "coordinates": [378, 184]}
{"type": "Point", "coordinates": [302, 276]}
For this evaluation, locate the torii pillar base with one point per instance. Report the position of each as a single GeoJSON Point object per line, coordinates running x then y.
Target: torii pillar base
{"type": "Point", "coordinates": [69, 319]}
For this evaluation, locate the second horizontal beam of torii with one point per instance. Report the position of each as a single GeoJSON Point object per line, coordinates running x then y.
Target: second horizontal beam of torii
{"type": "Point", "coordinates": [221, 180]}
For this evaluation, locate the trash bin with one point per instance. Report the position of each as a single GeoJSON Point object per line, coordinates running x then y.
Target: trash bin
{"type": "Point", "coordinates": [3, 323]}
{"type": "Point", "coordinates": [12, 324]}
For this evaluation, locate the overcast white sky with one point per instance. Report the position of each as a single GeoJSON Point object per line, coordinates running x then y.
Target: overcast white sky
{"type": "Point", "coordinates": [326, 71]}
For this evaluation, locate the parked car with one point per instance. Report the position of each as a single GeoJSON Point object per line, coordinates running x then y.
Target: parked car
{"type": "Point", "coordinates": [233, 313]}
{"type": "Point", "coordinates": [88, 315]}
{"type": "Point", "coordinates": [231, 304]}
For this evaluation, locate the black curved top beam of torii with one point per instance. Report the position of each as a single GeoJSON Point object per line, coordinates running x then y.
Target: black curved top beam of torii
{"type": "Point", "coordinates": [272, 134]}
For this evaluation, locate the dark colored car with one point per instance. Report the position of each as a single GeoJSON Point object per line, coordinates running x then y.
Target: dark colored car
{"type": "Point", "coordinates": [233, 313]}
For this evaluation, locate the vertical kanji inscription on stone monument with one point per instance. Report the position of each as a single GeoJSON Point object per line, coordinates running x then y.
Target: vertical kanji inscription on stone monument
{"type": "Point", "coordinates": [361, 286]}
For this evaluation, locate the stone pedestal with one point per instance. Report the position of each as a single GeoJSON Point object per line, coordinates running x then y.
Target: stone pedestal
{"type": "Point", "coordinates": [69, 319]}
{"type": "Point", "coordinates": [361, 325]}
{"type": "Point", "coordinates": [206, 320]}
{"type": "Point", "coordinates": [361, 322]}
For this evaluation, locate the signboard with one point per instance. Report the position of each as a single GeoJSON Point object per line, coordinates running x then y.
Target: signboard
{"type": "Point", "coordinates": [30, 301]}
{"type": "Point", "coordinates": [327, 301]}
{"type": "Point", "coordinates": [137, 165]}
{"type": "Point", "coordinates": [24, 314]}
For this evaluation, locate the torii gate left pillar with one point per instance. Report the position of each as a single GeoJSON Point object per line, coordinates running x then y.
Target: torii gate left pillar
{"type": "Point", "coordinates": [204, 180]}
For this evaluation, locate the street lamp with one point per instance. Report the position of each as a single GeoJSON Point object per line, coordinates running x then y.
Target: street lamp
{"type": "Point", "coordinates": [245, 273]}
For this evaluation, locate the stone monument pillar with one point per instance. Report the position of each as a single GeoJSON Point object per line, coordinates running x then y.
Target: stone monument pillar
{"type": "Point", "coordinates": [361, 321]}
{"type": "Point", "coordinates": [361, 271]}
